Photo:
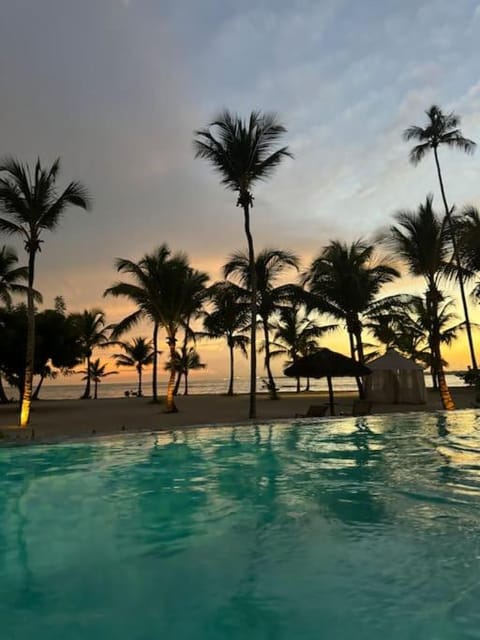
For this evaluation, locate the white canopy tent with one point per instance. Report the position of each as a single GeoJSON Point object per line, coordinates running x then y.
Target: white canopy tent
{"type": "Point", "coordinates": [395, 380]}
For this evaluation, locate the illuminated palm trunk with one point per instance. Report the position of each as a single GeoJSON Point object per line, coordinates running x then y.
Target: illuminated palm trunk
{"type": "Point", "coordinates": [30, 351]}
{"type": "Point", "coordinates": [432, 298]}
{"type": "Point", "coordinates": [171, 407]}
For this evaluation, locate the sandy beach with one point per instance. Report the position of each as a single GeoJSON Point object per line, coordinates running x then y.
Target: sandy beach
{"type": "Point", "coordinates": [59, 419]}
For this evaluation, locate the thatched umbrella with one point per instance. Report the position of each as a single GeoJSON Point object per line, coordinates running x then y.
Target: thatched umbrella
{"type": "Point", "coordinates": [328, 364]}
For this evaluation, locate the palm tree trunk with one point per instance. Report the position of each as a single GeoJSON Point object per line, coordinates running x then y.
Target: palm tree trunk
{"type": "Point", "coordinates": [184, 358]}
{"type": "Point", "coordinates": [3, 395]}
{"type": "Point", "coordinates": [253, 310]}
{"type": "Point", "coordinates": [298, 385]}
{"type": "Point", "coordinates": [95, 389]}
{"type": "Point", "coordinates": [177, 383]}
{"type": "Point", "coordinates": [271, 382]}
{"type": "Point", "coordinates": [433, 296]}
{"type": "Point", "coordinates": [307, 386]}
{"type": "Point", "coordinates": [139, 389]}
{"type": "Point", "coordinates": [456, 255]}
{"type": "Point", "coordinates": [171, 408]}
{"type": "Point", "coordinates": [30, 351]}
{"type": "Point", "coordinates": [230, 384]}
{"type": "Point", "coordinates": [357, 333]}
{"type": "Point", "coordinates": [86, 393]}
{"type": "Point", "coordinates": [155, 362]}
{"type": "Point", "coordinates": [36, 393]}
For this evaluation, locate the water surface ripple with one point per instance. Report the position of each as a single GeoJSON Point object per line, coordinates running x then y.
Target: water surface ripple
{"type": "Point", "coordinates": [361, 528]}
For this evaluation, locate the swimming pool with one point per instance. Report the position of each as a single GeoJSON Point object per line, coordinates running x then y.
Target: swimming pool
{"type": "Point", "coordinates": [356, 528]}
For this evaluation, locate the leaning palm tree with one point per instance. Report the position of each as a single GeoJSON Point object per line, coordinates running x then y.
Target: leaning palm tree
{"type": "Point", "coordinates": [270, 265]}
{"type": "Point", "coordinates": [137, 353]}
{"type": "Point", "coordinates": [442, 129]}
{"type": "Point", "coordinates": [92, 332]}
{"type": "Point", "coordinates": [33, 204]}
{"type": "Point", "coordinates": [421, 239]}
{"type": "Point", "coordinates": [96, 372]}
{"type": "Point", "coordinates": [229, 319]}
{"type": "Point", "coordinates": [244, 153]}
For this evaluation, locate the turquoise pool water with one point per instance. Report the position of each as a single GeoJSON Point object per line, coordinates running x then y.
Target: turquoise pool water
{"type": "Point", "coordinates": [339, 529]}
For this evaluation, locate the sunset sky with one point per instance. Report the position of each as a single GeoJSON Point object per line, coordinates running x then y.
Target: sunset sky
{"type": "Point", "coordinates": [117, 87]}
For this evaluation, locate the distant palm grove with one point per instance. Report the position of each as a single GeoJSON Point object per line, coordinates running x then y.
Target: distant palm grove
{"type": "Point", "coordinates": [269, 305]}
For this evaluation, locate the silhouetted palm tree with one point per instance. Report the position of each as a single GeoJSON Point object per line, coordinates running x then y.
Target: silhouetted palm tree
{"type": "Point", "coordinates": [92, 333]}
{"type": "Point", "coordinates": [96, 372]}
{"type": "Point", "coordinates": [11, 276]}
{"type": "Point", "coordinates": [468, 232]}
{"type": "Point", "coordinates": [244, 153]}
{"type": "Point", "coordinates": [296, 334]}
{"type": "Point", "coordinates": [270, 264]}
{"type": "Point", "coordinates": [345, 280]}
{"type": "Point", "coordinates": [32, 204]}
{"type": "Point", "coordinates": [145, 293]}
{"type": "Point", "coordinates": [442, 129]}
{"type": "Point", "coordinates": [138, 353]}
{"type": "Point", "coordinates": [183, 363]}
{"type": "Point", "coordinates": [163, 289]}
{"type": "Point", "coordinates": [421, 239]}
{"type": "Point", "coordinates": [228, 318]}
{"type": "Point", "coordinates": [388, 320]}
{"type": "Point", "coordinates": [419, 320]}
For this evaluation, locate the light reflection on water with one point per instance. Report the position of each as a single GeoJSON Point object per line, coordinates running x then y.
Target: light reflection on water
{"type": "Point", "coordinates": [340, 528]}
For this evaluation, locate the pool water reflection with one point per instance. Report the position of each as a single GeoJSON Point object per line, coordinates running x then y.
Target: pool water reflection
{"type": "Point", "coordinates": [349, 528]}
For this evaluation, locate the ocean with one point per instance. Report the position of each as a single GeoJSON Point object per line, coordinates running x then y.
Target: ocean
{"type": "Point", "coordinates": [53, 391]}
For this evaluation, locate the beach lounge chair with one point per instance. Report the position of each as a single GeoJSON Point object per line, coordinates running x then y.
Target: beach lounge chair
{"type": "Point", "coordinates": [314, 411]}
{"type": "Point", "coordinates": [362, 408]}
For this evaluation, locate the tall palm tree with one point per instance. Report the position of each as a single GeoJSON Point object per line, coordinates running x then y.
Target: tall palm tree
{"type": "Point", "coordinates": [184, 362]}
{"type": "Point", "coordinates": [442, 129]}
{"type": "Point", "coordinates": [421, 240]}
{"type": "Point", "coordinates": [92, 332]}
{"type": "Point", "coordinates": [270, 264]}
{"type": "Point", "coordinates": [137, 353]}
{"type": "Point", "coordinates": [163, 288]}
{"type": "Point", "coordinates": [244, 153]}
{"type": "Point", "coordinates": [145, 293]}
{"type": "Point", "coordinates": [33, 204]}
{"type": "Point", "coordinates": [344, 281]}
{"type": "Point", "coordinates": [96, 372]}
{"type": "Point", "coordinates": [296, 333]}
{"type": "Point", "coordinates": [228, 318]}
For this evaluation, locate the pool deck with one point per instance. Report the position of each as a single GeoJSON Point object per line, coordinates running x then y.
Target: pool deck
{"type": "Point", "coordinates": [54, 420]}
